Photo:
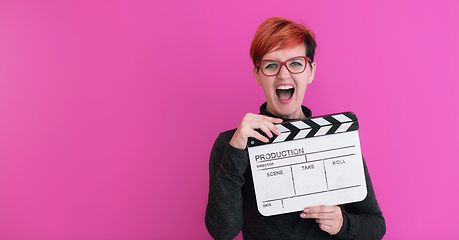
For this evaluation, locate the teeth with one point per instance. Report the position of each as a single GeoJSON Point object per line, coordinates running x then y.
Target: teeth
{"type": "Point", "coordinates": [284, 87]}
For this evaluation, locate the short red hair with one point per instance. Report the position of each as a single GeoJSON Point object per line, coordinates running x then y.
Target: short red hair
{"type": "Point", "coordinates": [282, 32]}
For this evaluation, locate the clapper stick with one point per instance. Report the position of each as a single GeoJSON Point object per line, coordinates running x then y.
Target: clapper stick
{"type": "Point", "coordinates": [312, 162]}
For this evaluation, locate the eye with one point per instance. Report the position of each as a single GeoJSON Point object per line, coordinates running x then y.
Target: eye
{"type": "Point", "coordinates": [270, 65]}
{"type": "Point", "coordinates": [296, 63]}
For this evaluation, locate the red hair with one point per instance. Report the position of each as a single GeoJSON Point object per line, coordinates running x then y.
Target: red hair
{"type": "Point", "coordinates": [282, 32]}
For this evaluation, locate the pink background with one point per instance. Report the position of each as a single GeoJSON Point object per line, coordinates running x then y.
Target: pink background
{"type": "Point", "coordinates": [109, 109]}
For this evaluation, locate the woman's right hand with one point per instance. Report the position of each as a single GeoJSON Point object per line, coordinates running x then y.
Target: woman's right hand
{"type": "Point", "coordinates": [249, 123]}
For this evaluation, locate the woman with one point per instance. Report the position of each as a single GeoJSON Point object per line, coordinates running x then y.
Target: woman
{"type": "Point", "coordinates": [282, 52]}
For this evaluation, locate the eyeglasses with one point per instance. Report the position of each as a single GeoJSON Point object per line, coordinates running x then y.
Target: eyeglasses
{"type": "Point", "coordinates": [294, 65]}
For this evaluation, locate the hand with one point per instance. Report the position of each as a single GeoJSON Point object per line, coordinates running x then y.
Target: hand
{"type": "Point", "coordinates": [249, 123]}
{"type": "Point", "coordinates": [329, 218]}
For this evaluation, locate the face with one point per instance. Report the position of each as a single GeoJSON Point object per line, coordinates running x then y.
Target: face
{"type": "Point", "coordinates": [285, 92]}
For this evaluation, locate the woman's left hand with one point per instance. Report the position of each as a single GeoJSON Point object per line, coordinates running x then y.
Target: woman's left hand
{"type": "Point", "coordinates": [329, 218]}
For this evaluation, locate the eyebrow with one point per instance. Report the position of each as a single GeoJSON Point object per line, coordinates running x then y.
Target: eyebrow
{"type": "Point", "coordinates": [294, 58]}
{"type": "Point", "coordinates": [297, 58]}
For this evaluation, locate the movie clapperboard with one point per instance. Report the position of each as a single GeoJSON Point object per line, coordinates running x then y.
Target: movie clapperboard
{"type": "Point", "coordinates": [312, 162]}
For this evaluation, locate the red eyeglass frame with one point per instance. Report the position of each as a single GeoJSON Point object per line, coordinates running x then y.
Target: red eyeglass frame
{"type": "Point", "coordinates": [282, 64]}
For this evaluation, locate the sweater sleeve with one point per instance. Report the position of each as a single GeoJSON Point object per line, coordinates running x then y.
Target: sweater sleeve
{"type": "Point", "coordinates": [363, 220]}
{"type": "Point", "coordinates": [227, 165]}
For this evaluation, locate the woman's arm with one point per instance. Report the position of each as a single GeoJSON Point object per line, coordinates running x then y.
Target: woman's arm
{"type": "Point", "coordinates": [224, 207]}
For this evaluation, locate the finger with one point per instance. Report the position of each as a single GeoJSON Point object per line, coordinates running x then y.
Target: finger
{"type": "Point", "coordinates": [260, 137]}
{"type": "Point", "coordinates": [327, 228]}
{"type": "Point", "coordinates": [332, 230]}
{"type": "Point", "coordinates": [322, 212]}
{"type": "Point", "coordinates": [309, 215]}
{"type": "Point", "coordinates": [273, 128]}
{"type": "Point", "coordinates": [326, 215]}
{"type": "Point", "coordinates": [326, 221]}
{"type": "Point", "coordinates": [249, 123]}
{"type": "Point", "coordinates": [266, 130]}
{"type": "Point", "coordinates": [320, 209]}
{"type": "Point", "coordinates": [330, 227]}
{"type": "Point", "coordinates": [271, 119]}
{"type": "Point", "coordinates": [263, 123]}
{"type": "Point", "coordinates": [335, 216]}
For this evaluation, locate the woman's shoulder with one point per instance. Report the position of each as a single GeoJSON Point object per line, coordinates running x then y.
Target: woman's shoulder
{"type": "Point", "coordinates": [224, 138]}
{"type": "Point", "coordinates": [227, 134]}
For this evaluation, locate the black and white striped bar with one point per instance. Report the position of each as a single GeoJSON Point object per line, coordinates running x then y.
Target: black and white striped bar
{"type": "Point", "coordinates": [313, 127]}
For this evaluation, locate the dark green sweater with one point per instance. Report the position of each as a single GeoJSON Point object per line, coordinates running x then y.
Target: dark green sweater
{"type": "Point", "coordinates": [232, 205]}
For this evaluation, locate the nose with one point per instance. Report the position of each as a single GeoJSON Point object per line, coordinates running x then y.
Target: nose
{"type": "Point", "coordinates": [283, 72]}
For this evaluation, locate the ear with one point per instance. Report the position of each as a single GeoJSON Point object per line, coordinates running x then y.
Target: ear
{"type": "Point", "coordinates": [313, 72]}
{"type": "Point", "coordinates": [255, 74]}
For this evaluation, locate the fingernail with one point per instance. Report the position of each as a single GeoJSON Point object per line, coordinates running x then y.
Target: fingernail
{"type": "Point", "coordinates": [278, 132]}
{"type": "Point", "coordinates": [303, 215]}
{"type": "Point", "coordinates": [306, 210]}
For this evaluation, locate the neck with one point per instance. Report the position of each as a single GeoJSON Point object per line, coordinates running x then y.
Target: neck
{"type": "Point", "coordinates": [305, 113]}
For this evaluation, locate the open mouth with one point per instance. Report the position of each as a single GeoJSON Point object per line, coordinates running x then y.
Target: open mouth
{"type": "Point", "coordinates": [285, 92]}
